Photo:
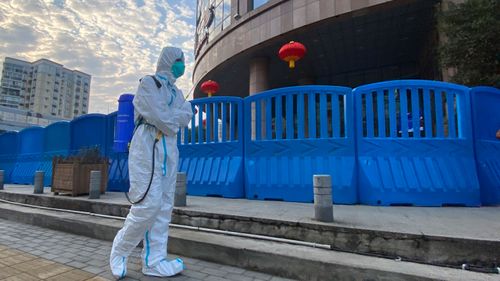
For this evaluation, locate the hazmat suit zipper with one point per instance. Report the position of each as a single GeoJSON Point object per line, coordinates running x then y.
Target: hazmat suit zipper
{"type": "Point", "coordinates": [164, 156]}
{"type": "Point", "coordinates": [170, 87]}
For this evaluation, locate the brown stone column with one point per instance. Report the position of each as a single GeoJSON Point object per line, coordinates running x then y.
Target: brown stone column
{"type": "Point", "coordinates": [446, 73]}
{"type": "Point", "coordinates": [259, 81]}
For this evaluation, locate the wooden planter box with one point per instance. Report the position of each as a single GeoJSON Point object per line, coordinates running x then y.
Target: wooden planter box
{"type": "Point", "coordinates": [73, 176]}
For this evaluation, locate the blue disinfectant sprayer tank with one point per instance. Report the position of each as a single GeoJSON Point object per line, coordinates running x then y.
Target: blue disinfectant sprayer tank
{"type": "Point", "coordinates": [124, 123]}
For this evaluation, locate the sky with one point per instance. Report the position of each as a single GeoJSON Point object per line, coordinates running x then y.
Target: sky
{"type": "Point", "coordinates": [115, 41]}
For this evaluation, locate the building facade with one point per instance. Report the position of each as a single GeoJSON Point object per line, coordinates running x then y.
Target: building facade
{"type": "Point", "coordinates": [13, 85]}
{"type": "Point", "coordinates": [349, 42]}
{"type": "Point", "coordinates": [12, 119]}
{"type": "Point", "coordinates": [44, 87]}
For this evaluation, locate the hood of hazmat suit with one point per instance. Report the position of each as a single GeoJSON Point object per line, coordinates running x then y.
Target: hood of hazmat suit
{"type": "Point", "coordinates": [159, 113]}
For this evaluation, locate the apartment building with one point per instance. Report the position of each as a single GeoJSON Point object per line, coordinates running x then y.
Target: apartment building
{"type": "Point", "coordinates": [44, 87]}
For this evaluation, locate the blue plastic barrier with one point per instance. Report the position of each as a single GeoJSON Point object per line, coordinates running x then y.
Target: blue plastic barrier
{"type": "Point", "coordinates": [486, 117]}
{"type": "Point", "coordinates": [124, 123]}
{"type": "Point", "coordinates": [408, 142]}
{"type": "Point", "coordinates": [30, 155]}
{"type": "Point", "coordinates": [88, 131]}
{"type": "Point", "coordinates": [118, 172]}
{"type": "Point", "coordinates": [118, 161]}
{"type": "Point", "coordinates": [110, 131]}
{"type": "Point", "coordinates": [56, 143]}
{"type": "Point", "coordinates": [212, 154]}
{"type": "Point", "coordinates": [432, 166]}
{"type": "Point", "coordinates": [9, 143]}
{"type": "Point", "coordinates": [298, 132]}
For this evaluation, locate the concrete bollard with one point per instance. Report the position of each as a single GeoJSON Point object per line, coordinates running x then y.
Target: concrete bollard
{"type": "Point", "coordinates": [95, 185]}
{"type": "Point", "coordinates": [323, 208]}
{"type": "Point", "coordinates": [39, 175]}
{"type": "Point", "coordinates": [2, 172]}
{"type": "Point", "coordinates": [180, 190]}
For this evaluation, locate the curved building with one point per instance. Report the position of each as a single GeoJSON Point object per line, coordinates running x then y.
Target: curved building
{"type": "Point", "coordinates": [349, 42]}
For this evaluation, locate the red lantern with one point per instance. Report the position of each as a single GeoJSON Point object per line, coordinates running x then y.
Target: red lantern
{"type": "Point", "coordinates": [292, 52]}
{"type": "Point", "coordinates": [210, 87]}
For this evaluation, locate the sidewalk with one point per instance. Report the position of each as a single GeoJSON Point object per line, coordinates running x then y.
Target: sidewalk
{"type": "Point", "coordinates": [32, 253]}
{"type": "Point", "coordinates": [458, 222]}
{"type": "Point", "coordinates": [18, 265]}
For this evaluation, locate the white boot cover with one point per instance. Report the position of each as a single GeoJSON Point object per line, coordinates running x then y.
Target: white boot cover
{"type": "Point", "coordinates": [165, 268]}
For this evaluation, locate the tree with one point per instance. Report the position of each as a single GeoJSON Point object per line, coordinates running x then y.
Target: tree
{"type": "Point", "coordinates": [472, 42]}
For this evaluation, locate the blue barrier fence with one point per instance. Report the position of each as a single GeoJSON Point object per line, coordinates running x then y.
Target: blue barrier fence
{"type": "Point", "coordinates": [89, 131]}
{"type": "Point", "coordinates": [211, 151]}
{"type": "Point", "coordinates": [407, 142]}
{"type": "Point", "coordinates": [414, 142]}
{"type": "Point", "coordinates": [56, 143]}
{"type": "Point", "coordinates": [486, 117]}
{"type": "Point", "coordinates": [30, 155]}
{"type": "Point", "coordinates": [118, 161]}
{"type": "Point", "coordinates": [9, 145]}
{"type": "Point", "coordinates": [294, 133]}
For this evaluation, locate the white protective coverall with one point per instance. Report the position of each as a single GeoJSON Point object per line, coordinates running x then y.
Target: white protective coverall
{"type": "Point", "coordinates": [166, 110]}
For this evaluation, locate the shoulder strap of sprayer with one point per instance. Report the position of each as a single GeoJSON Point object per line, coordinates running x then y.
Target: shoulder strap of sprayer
{"type": "Point", "coordinates": [141, 120]}
{"type": "Point", "coordinates": [157, 82]}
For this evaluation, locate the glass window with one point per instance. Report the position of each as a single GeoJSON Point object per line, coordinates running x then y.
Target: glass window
{"type": "Point", "coordinates": [227, 22]}
{"type": "Point", "coordinates": [227, 14]}
{"type": "Point", "coordinates": [202, 6]}
{"type": "Point", "coordinates": [258, 3]}
{"type": "Point", "coordinates": [218, 15]}
{"type": "Point", "coordinates": [212, 17]}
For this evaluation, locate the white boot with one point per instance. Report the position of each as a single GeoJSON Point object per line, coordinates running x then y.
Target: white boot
{"type": "Point", "coordinates": [164, 268]}
{"type": "Point", "coordinates": [118, 265]}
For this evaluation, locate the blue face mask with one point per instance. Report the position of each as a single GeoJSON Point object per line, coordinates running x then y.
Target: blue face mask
{"type": "Point", "coordinates": [178, 69]}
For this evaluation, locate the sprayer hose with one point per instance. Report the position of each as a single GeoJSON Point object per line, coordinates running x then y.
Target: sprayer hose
{"type": "Point", "coordinates": [152, 174]}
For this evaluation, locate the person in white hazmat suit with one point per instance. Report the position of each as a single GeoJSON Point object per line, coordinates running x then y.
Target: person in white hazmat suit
{"type": "Point", "coordinates": [160, 110]}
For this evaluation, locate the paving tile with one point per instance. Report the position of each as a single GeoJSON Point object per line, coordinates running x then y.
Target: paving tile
{"type": "Point", "coordinates": [214, 272]}
{"type": "Point", "coordinates": [48, 271]}
{"type": "Point", "coordinates": [36, 252]}
{"type": "Point", "coordinates": [11, 260]}
{"type": "Point", "coordinates": [21, 277]}
{"type": "Point", "coordinates": [98, 278]}
{"type": "Point", "coordinates": [258, 275]}
{"type": "Point", "coordinates": [8, 271]}
{"type": "Point", "coordinates": [239, 277]}
{"type": "Point", "coordinates": [49, 256]}
{"type": "Point", "coordinates": [216, 278]}
{"type": "Point", "coordinates": [71, 254]}
{"type": "Point", "coordinates": [62, 260]}
{"type": "Point", "coordinates": [96, 262]}
{"type": "Point", "coordinates": [72, 275]}
{"type": "Point", "coordinates": [190, 260]}
{"type": "Point", "coordinates": [33, 264]}
{"type": "Point", "coordinates": [81, 258]}
{"type": "Point", "coordinates": [106, 275]}
{"type": "Point", "coordinates": [208, 264]}
{"type": "Point", "coordinates": [93, 269]}
{"type": "Point", "coordinates": [195, 274]}
{"type": "Point", "coordinates": [58, 256]}
{"type": "Point", "coordinates": [232, 269]}
{"type": "Point", "coordinates": [77, 264]}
